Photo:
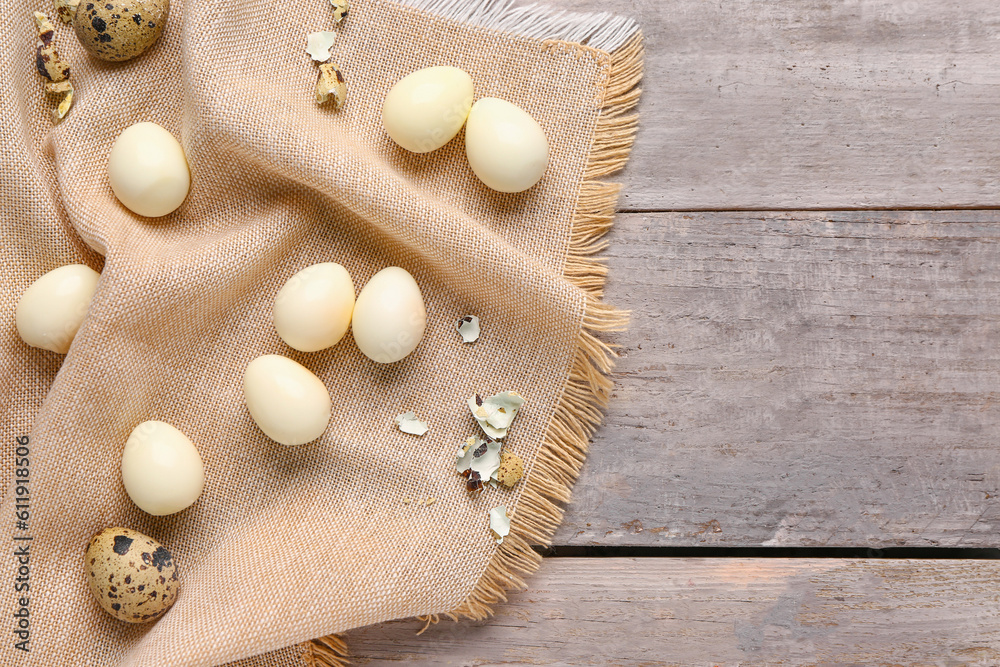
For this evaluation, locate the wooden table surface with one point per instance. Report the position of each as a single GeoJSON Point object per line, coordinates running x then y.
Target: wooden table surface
{"type": "Point", "coordinates": [808, 248]}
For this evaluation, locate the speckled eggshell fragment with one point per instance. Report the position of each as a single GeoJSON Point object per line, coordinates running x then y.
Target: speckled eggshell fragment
{"type": "Point", "coordinates": [65, 9]}
{"type": "Point", "coordinates": [478, 461]}
{"type": "Point", "coordinates": [119, 30]}
{"type": "Point", "coordinates": [340, 9]}
{"type": "Point", "coordinates": [132, 576]}
{"type": "Point", "coordinates": [331, 85]}
{"type": "Point", "coordinates": [511, 469]}
{"type": "Point", "coordinates": [47, 60]}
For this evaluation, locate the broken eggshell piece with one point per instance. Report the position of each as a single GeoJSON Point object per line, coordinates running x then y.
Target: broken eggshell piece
{"type": "Point", "coordinates": [330, 84]}
{"type": "Point", "coordinates": [408, 423]}
{"type": "Point", "coordinates": [499, 523]}
{"type": "Point", "coordinates": [468, 328]}
{"type": "Point", "coordinates": [340, 9]}
{"type": "Point", "coordinates": [496, 413]}
{"type": "Point", "coordinates": [318, 45]}
{"type": "Point", "coordinates": [478, 461]}
{"type": "Point", "coordinates": [511, 469]}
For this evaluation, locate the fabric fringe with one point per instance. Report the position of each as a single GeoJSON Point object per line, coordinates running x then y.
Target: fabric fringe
{"type": "Point", "coordinates": [548, 485]}
{"type": "Point", "coordinates": [603, 31]}
{"type": "Point", "coordinates": [588, 388]}
{"type": "Point", "coordinates": [329, 651]}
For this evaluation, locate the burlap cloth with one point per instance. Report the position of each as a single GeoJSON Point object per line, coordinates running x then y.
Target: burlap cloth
{"type": "Point", "coordinates": [290, 544]}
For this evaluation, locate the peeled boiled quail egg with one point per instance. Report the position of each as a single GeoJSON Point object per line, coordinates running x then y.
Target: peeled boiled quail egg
{"type": "Point", "coordinates": [425, 110]}
{"type": "Point", "coordinates": [148, 171]}
{"type": "Point", "coordinates": [289, 404]}
{"type": "Point", "coordinates": [161, 469]}
{"type": "Point", "coordinates": [389, 316]}
{"type": "Point", "coordinates": [506, 147]}
{"type": "Point", "coordinates": [52, 309]}
{"type": "Point", "coordinates": [312, 311]}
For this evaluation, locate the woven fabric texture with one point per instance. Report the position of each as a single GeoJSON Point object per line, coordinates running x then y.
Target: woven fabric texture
{"type": "Point", "coordinates": [285, 544]}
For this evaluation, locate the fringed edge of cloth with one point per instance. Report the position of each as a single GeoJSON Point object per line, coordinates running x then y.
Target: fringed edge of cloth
{"type": "Point", "coordinates": [585, 395]}
{"type": "Point", "coordinates": [588, 387]}
{"type": "Point", "coordinates": [329, 651]}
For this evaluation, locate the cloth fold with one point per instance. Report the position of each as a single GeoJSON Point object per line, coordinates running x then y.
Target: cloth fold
{"type": "Point", "coordinates": [290, 544]}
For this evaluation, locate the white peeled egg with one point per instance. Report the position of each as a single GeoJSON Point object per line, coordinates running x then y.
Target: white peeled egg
{"type": "Point", "coordinates": [389, 316]}
{"type": "Point", "coordinates": [312, 311]}
{"type": "Point", "coordinates": [289, 404]}
{"type": "Point", "coordinates": [506, 147]}
{"type": "Point", "coordinates": [148, 171]}
{"type": "Point", "coordinates": [161, 469]}
{"type": "Point", "coordinates": [50, 311]}
{"type": "Point", "coordinates": [425, 110]}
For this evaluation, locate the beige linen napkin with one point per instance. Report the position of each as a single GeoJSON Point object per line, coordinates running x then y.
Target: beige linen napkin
{"type": "Point", "coordinates": [289, 544]}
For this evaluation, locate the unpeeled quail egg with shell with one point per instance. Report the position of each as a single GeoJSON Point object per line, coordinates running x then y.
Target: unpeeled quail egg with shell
{"type": "Point", "coordinates": [132, 576]}
{"type": "Point", "coordinates": [119, 30]}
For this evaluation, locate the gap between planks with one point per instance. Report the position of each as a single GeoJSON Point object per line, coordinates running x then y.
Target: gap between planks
{"type": "Point", "coordinates": [874, 209]}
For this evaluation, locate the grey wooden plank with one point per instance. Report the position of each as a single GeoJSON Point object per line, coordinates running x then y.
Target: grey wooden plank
{"type": "Point", "coordinates": [812, 104]}
{"type": "Point", "coordinates": [719, 612]}
{"type": "Point", "coordinates": [800, 379]}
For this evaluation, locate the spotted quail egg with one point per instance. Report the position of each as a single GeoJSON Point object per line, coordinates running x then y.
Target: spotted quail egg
{"type": "Point", "coordinates": [132, 576]}
{"type": "Point", "coordinates": [119, 29]}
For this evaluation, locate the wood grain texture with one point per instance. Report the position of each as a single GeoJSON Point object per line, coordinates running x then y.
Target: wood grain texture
{"type": "Point", "coordinates": [720, 612]}
{"type": "Point", "coordinates": [801, 379]}
{"type": "Point", "coordinates": [815, 104]}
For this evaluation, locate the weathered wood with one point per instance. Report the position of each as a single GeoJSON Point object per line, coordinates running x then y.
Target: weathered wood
{"type": "Point", "coordinates": [796, 104]}
{"type": "Point", "coordinates": [800, 379]}
{"type": "Point", "coordinates": [720, 612]}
